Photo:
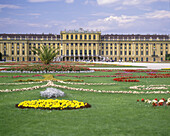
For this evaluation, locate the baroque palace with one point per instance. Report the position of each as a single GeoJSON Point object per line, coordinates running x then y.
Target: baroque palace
{"type": "Point", "coordinates": [77, 45]}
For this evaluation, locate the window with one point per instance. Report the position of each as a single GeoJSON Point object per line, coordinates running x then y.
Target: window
{"type": "Point", "coordinates": [89, 37]}
{"type": "Point", "coordinates": [141, 59]}
{"type": "Point", "coordinates": [94, 52]}
{"type": "Point", "coordinates": [71, 52]}
{"type": "Point", "coordinates": [106, 47]}
{"type": "Point", "coordinates": [76, 44]}
{"type": "Point", "coordinates": [106, 52]}
{"type": "Point", "coordinates": [85, 36]}
{"type": "Point", "coordinates": [136, 59]}
{"type": "Point", "coordinates": [94, 37]}
{"type": "Point", "coordinates": [81, 52]}
{"type": "Point", "coordinates": [80, 44]}
{"type": "Point", "coordinates": [80, 37]}
{"type": "Point", "coordinates": [120, 52]}
{"type": "Point", "coordinates": [115, 52]}
{"type": "Point", "coordinates": [67, 52]}
{"type": "Point", "coordinates": [85, 52]}
{"type": "Point", "coordinates": [129, 52]}
{"type": "Point", "coordinates": [89, 44]}
{"type": "Point", "coordinates": [71, 36]}
{"type": "Point", "coordinates": [125, 52]}
{"type": "Point", "coordinates": [102, 52]}
{"type": "Point", "coordinates": [34, 59]}
{"type": "Point", "coordinates": [136, 52]}
{"type": "Point", "coordinates": [90, 52]}
{"type": "Point", "coordinates": [76, 53]}
{"type": "Point", "coordinates": [17, 58]}
{"type": "Point", "coordinates": [110, 47]}
{"type": "Point", "coordinates": [4, 52]}
{"type": "Point", "coordinates": [17, 43]}
{"type": "Point", "coordinates": [76, 37]}
{"type": "Point", "coordinates": [85, 44]}
{"type": "Point", "coordinates": [67, 44]}
{"type": "Point", "coordinates": [67, 37]}
{"type": "Point", "coordinates": [17, 52]}
{"type": "Point", "coordinates": [12, 52]}
{"type": "Point", "coordinates": [71, 44]}
{"type": "Point", "coordinates": [110, 52]}
{"type": "Point", "coordinates": [29, 52]}
{"type": "Point", "coordinates": [147, 59]}
{"type": "Point", "coordinates": [94, 44]}
{"type": "Point", "coordinates": [146, 52]}
{"type": "Point", "coordinates": [129, 59]}
{"type": "Point", "coordinates": [29, 58]}
{"type": "Point", "coordinates": [23, 59]}
{"type": "Point", "coordinates": [23, 52]}
{"type": "Point", "coordinates": [161, 52]}
{"type": "Point", "coordinates": [141, 52]}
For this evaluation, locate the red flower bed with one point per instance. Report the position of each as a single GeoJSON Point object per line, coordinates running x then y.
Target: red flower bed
{"type": "Point", "coordinates": [124, 79]}
{"type": "Point", "coordinates": [49, 68]}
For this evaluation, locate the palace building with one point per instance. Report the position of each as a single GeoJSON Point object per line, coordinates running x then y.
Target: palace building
{"type": "Point", "coordinates": [77, 45]}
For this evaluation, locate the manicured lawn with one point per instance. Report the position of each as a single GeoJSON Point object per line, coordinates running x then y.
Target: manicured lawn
{"type": "Point", "coordinates": [110, 114]}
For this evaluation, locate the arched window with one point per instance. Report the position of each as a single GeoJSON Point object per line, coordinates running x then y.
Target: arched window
{"type": "Point", "coordinates": [67, 37]}
{"type": "Point", "coordinates": [76, 37]}
{"type": "Point", "coordinates": [85, 37]}
{"type": "Point", "coordinates": [80, 37]}
{"type": "Point", "coordinates": [71, 36]}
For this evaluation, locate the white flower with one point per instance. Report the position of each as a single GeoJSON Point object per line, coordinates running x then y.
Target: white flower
{"type": "Point", "coordinates": [154, 101]}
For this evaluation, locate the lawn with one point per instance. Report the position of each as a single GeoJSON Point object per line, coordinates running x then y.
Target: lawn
{"type": "Point", "coordinates": [110, 114]}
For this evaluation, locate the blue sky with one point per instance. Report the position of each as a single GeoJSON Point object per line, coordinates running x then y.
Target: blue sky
{"type": "Point", "coordinates": [109, 16]}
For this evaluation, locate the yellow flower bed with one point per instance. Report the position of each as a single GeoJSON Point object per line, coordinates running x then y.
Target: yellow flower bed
{"type": "Point", "coordinates": [53, 104]}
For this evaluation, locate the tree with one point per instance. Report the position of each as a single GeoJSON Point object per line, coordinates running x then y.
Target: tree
{"type": "Point", "coordinates": [45, 53]}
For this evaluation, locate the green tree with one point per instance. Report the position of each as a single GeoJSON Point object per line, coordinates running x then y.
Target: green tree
{"type": "Point", "coordinates": [45, 53]}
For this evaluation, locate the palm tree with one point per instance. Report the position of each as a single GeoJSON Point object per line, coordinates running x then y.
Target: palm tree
{"type": "Point", "coordinates": [45, 53]}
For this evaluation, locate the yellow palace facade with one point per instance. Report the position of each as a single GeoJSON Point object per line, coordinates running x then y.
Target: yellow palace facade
{"type": "Point", "coordinates": [78, 45]}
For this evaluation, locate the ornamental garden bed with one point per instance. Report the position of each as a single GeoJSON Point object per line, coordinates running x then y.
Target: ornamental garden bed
{"type": "Point", "coordinates": [115, 113]}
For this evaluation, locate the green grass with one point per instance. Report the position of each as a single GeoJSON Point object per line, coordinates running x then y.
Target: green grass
{"type": "Point", "coordinates": [110, 114]}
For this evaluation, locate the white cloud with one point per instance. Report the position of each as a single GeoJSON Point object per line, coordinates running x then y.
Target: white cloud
{"type": "Point", "coordinates": [34, 1]}
{"type": "Point", "coordinates": [128, 2]}
{"type": "Point", "coordinates": [149, 22]}
{"type": "Point", "coordinates": [34, 14]}
{"type": "Point", "coordinates": [9, 6]}
{"type": "Point", "coordinates": [105, 2]}
{"type": "Point", "coordinates": [159, 14]}
{"type": "Point", "coordinates": [38, 25]}
{"type": "Point", "coordinates": [69, 1]}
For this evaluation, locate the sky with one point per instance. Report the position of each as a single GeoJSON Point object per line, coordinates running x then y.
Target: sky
{"type": "Point", "coordinates": [108, 16]}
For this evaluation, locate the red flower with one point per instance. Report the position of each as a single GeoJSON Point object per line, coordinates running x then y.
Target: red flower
{"type": "Point", "coordinates": [142, 100]}
{"type": "Point", "coordinates": [137, 100]}
{"type": "Point", "coordinates": [156, 99]}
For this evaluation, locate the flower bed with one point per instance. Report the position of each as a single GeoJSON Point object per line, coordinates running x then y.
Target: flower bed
{"type": "Point", "coordinates": [50, 83]}
{"type": "Point", "coordinates": [48, 68]}
{"type": "Point", "coordinates": [156, 102]}
{"type": "Point", "coordinates": [124, 79]}
{"type": "Point", "coordinates": [51, 104]}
